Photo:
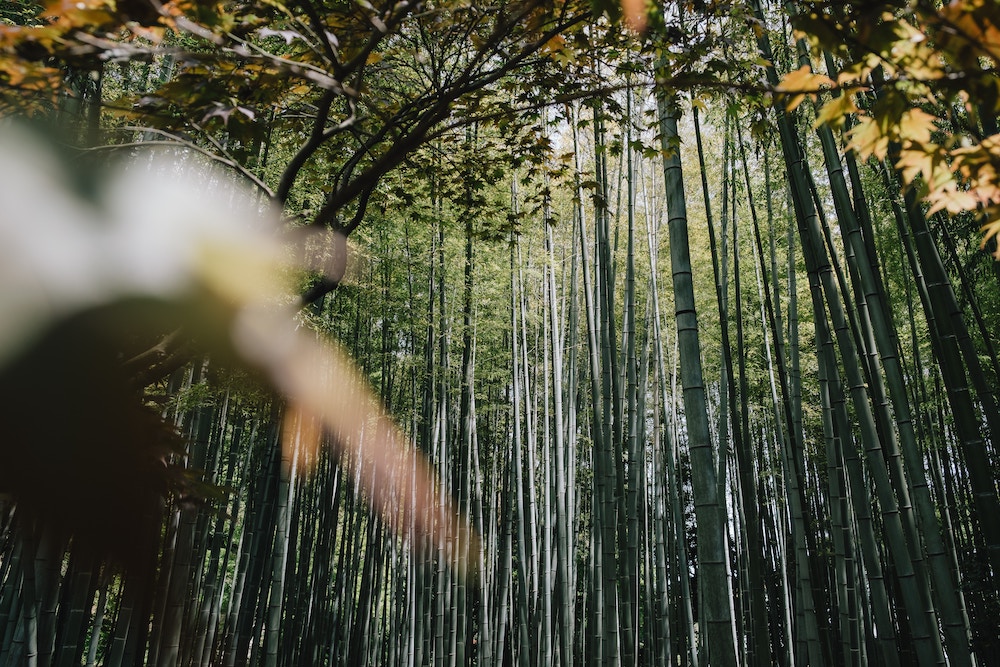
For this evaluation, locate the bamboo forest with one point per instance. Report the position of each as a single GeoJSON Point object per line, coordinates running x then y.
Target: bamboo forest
{"type": "Point", "coordinates": [510, 332]}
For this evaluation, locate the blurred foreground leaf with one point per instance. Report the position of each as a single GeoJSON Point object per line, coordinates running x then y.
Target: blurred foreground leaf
{"type": "Point", "coordinates": [93, 282]}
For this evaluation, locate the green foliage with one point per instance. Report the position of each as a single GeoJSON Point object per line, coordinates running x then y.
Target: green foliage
{"type": "Point", "coordinates": [19, 12]}
{"type": "Point", "coordinates": [363, 87]}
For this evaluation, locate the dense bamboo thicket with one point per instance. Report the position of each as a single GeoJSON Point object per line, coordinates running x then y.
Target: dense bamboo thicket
{"type": "Point", "coordinates": [707, 387]}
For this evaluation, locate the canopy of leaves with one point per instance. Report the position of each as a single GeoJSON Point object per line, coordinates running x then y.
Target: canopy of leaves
{"type": "Point", "coordinates": [352, 88]}
{"type": "Point", "coordinates": [920, 86]}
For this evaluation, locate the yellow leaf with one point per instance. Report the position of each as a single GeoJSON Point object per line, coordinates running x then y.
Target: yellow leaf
{"type": "Point", "coordinates": [804, 80]}
{"type": "Point", "coordinates": [794, 102]}
{"type": "Point", "coordinates": [915, 162]}
{"type": "Point", "coordinates": [916, 125]}
{"type": "Point", "coordinates": [243, 273]}
{"type": "Point", "coordinates": [953, 200]}
{"type": "Point", "coordinates": [990, 229]}
{"type": "Point", "coordinates": [834, 112]}
{"type": "Point", "coordinates": [554, 45]}
{"type": "Point", "coordinates": [800, 83]}
{"type": "Point", "coordinates": [942, 176]}
{"type": "Point", "coordinates": [853, 73]}
{"type": "Point", "coordinates": [977, 31]}
{"type": "Point", "coordinates": [867, 139]}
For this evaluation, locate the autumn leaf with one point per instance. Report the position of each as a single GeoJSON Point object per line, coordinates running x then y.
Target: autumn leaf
{"type": "Point", "coordinates": [916, 125]}
{"type": "Point", "coordinates": [991, 228]}
{"type": "Point", "coordinates": [633, 11]}
{"type": "Point", "coordinates": [800, 83]}
{"type": "Point", "coordinates": [555, 44]}
{"type": "Point", "coordinates": [915, 162]}
{"type": "Point", "coordinates": [835, 112]}
{"type": "Point", "coordinates": [867, 139]}
{"type": "Point", "coordinates": [858, 71]}
{"type": "Point", "coordinates": [951, 199]}
{"type": "Point", "coordinates": [981, 34]}
{"type": "Point", "coordinates": [301, 436]}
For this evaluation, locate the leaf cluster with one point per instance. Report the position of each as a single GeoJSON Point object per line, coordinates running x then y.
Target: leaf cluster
{"type": "Point", "coordinates": [918, 87]}
{"type": "Point", "coordinates": [340, 92]}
